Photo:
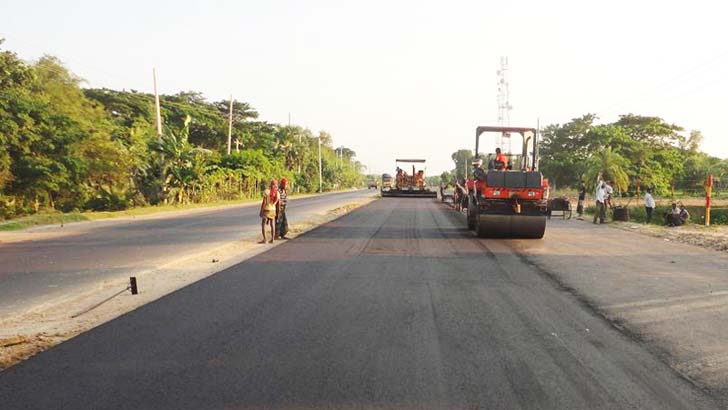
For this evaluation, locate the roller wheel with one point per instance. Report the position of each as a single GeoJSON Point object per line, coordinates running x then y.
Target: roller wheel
{"type": "Point", "coordinates": [511, 226]}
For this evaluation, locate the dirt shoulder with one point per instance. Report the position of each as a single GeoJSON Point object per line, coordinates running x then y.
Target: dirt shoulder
{"type": "Point", "coordinates": [709, 237]}
{"type": "Point", "coordinates": [54, 321]}
{"type": "Point", "coordinates": [669, 295]}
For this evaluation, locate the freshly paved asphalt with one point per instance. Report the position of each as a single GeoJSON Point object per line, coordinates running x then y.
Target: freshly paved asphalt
{"type": "Point", "coordinates": [34, 271]}
{"type": "Point", "coordinates": [394, 306]}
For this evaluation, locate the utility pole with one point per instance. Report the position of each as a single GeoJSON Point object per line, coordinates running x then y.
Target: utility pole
{"type": "Point", "coordinates": [156, 104]}
{"type": "Point", "coordinates": [536, 142]}
{"type": "Point", "coordinates": [708, 194]}
{"type": "Point", "coordinates": [237, 145]}
{"type": "Point", "coordinates": [321, 179]}
{"type": "Point", "coordinates": [230, 128]}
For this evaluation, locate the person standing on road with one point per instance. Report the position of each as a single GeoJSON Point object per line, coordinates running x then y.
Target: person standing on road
{"type": "Point", "coordinates": [478, 171]}
{"type": "Point", "coordinates": [281, 218]}
{"type": "Point", "coordinates": [649, 206]}
{"type": "Point", "coordinates": [600, 196]}
{"type": "Point", "coordinates": [580, 204]}
{"type": "Point", "coordinates": [458, 196]}
{"type": "Point", "coordinates": [268, 210]}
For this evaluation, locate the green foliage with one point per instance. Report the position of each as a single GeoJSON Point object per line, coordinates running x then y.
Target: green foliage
{"type": "Point", "coordinates": [64, 147]}
{"type": "Point", "coordinates": [462, 159]}
{"type": "Point", "coordinates": [610, 166]}
{"type": "Point", "coordinates": [446, 177]}
{"type": "Point", "coordinates": [634, 151]}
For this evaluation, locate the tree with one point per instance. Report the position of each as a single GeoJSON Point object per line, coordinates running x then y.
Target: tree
{"type": "Point", "coordinates": [651, 129]}
{"type": "Point", "coordinates": [182, 164]}
{"type": "Point", "coordinates": [65, 147]}
{"type": "Point", "coordinates": [462, 158]}
{"type": "Point", "coordinates": [611, 166]}
{"type": "Point", "coordinates": [446, 177]}
{"type": "Point", "coordinates": [565, 149]}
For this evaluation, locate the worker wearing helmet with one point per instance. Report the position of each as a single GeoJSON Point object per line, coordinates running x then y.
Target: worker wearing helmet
{"type": "Point", "coordinates": [478, 171]}
{"type": "Point", "coordinates": [501, 162]}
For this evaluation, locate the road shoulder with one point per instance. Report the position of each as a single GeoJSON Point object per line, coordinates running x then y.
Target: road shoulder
{"type": "Point", "coordinates": [669, 295]}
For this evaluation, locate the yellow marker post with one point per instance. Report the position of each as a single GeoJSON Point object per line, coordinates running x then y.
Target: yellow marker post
{"type": "Point", "coordinates": [708, 192]}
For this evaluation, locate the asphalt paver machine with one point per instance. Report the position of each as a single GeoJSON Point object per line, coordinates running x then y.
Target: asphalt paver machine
{"type": "Point", "coordinates": [508, 202]}
{"type": "Point", "coordinates": [410, 185]}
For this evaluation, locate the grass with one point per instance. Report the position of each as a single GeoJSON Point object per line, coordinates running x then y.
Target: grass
{"type": "Point", "coordinates": [44, 218]}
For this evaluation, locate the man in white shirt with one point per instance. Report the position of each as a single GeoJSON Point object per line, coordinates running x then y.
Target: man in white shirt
{"type": "Point", "coordinates": [672, 218]}
{"type": "Point", "coordinates": [649, 205]}
{"type": "Point", "coordinates": [600, 196]}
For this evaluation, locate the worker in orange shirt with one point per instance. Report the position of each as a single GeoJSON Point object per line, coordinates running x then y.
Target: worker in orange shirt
{"type": "Point", "coordinates": [500, 158]}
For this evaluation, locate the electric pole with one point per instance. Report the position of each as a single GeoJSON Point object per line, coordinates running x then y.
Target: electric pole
{"type": "Point", "coordinates": [230, 126]}
{"type": "Point", "coordinates": [156, 104]}
{"type": "Point", "coordinates": [321, 178]}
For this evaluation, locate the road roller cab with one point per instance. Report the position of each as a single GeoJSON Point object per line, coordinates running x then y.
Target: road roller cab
{"type": "Point", "coordinates": [509, 203]}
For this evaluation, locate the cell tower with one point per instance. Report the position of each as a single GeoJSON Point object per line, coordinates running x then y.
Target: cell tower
{"type": "Point", "coordinates": [504, 104]}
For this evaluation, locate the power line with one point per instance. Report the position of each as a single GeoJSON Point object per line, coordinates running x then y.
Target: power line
{"type": "Point", "coordinates": [703, 65]}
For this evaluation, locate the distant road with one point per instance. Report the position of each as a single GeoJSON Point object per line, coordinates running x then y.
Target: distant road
{"type": "Point", "coordinates": [99, 250]}
{"type": "Point", "coordinates": [393, 306]}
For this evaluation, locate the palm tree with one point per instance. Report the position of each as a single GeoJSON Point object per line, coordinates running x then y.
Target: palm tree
{"type": "Point", "coordinates": [610, 165]}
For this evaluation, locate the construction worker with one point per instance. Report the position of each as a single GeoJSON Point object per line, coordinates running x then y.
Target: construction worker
{"type": "Point", "coordinates": [268, 209]}
{"type": "Point", "coordinates": [608, 191]}
{"type": "Point", "coordinates": [580, 204]}
{"type": "Point", "coordinates": [600, 196]}
{"type": "Point", "coordinates": [281, 218]}
{"type": "Point", "coordinates": [501, 162]}
{"type": "Point", "coordinates": [478, 172]}
{"type": "Point", "coordinates": [458, 195]}
{"type": "Point", "coordinates": [649, 206]}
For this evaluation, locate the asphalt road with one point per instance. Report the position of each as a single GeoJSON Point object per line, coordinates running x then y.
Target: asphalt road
{"type": "Point", "coordinates": [393, 306]}
{"type": "Point", "coordinates": [38, 270]}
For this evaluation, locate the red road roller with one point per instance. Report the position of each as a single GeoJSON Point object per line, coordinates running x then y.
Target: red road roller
{"type": "Point", "coordinates": [508, 196]}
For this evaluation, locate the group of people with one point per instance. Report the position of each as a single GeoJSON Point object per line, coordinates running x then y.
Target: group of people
{"type": "Point", "coordinates": [677, 216]}
{"type": "Point", "coordinates": [273, 210]}
{"type": "Point", "coordinates": [404, 180]}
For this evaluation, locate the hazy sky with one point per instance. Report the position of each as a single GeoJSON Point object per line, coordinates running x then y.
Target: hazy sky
{"type": "Point", "coordinates": [400, 79]}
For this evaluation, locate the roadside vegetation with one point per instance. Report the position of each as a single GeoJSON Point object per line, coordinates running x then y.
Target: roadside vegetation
{"type": "Point", "coordinates": [71, 149]}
